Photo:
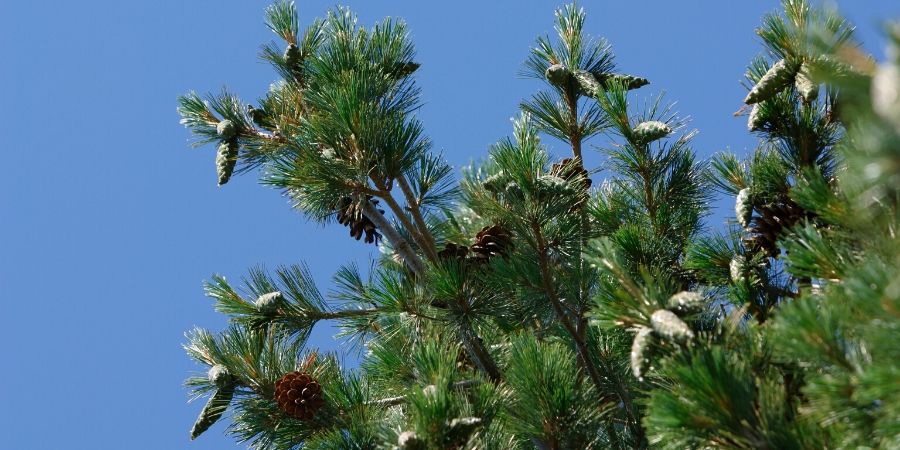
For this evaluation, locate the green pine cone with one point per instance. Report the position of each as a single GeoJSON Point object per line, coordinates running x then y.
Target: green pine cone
{"type": "Point", "coordinates": [808, 89]}
{"type": "Point", "coordinates": [496, 182]}
{"type": "Point", "coordinates": [756, 120]}
{"type": "Point", "coordinates": [736, 269]}
{"type": "Point", "coordinates": [687, 301]}
{"type": "Point", "coordinates": [628, 81]}
{"type": "Point", "coordinates": [668, 325]}
{"type": "Point", "coordinates": [647, 132]}
{"type": "Point", "coordinates": [226, 129]}
{"type": "Point", "coordinates": [743, 207]}
{"type": "Point", "coordinates": [269, 303]}
{"type": "Point", "coordinates": [639, 347]}
{"type": "Point", "coordinates": [219, 375]}
{"type": "Point", "coordinates": [291, 55]}
{"type": "Point", "coordinates": [779, 76]}
{"type": "Point", "coordinates": [213, 410]}
{"type": "Point", "coordinates": [587, 83]}
{"type": "Point", "coordinates": [558, 75]}
{"type": "Point", "coordinates": [226, 158]}
{"type": "Point", "coordinates": [552, 185]}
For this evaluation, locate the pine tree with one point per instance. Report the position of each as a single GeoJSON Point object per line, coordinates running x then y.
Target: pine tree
{"type": "Point", "coordinates": [525, 306]}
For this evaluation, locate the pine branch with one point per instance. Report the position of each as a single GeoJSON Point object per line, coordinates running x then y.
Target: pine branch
{"type": "Point", "coordinates": [400, 399]}
{"type": "Point", "coordinates": [413, 204]}
{"type": "Point", "coordinates": [476, 349]}
{"type": "Point", "coordinates": [385, 194]}
{"type": "Point", "coordinates": [561, 314]}
{"type": "Point", "coordinates": [399, 244]}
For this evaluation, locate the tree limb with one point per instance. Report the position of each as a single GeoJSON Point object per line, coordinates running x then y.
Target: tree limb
{"type": "Point", "coordinates": [397, 241]}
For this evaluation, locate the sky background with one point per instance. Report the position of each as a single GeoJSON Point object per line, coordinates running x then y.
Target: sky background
{"type": "Point", "coordinates": [109, 221]}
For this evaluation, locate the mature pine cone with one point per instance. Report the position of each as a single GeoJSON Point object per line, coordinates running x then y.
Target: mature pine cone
{"type": "Point", "coordinates": [770, 223]}
{"type": "Point", "coordinates": [491, 241]}
{"type": "Point", "coordinates": [453, 251]}
{"type": "Point", "coordinates": [567, 170]}
{"type": "Point", "coordinates": [349, 216]}
{"type": "Point", "coordinates": [299, 395]}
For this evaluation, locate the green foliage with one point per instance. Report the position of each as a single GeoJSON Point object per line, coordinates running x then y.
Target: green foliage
{"type": "Point", "coordinates": [549, 401]}
{"type": "Point", "coordinates": [611, 317]}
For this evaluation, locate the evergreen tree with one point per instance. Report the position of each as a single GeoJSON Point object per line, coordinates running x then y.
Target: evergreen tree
{"type": "Point", "coordinates": [524, 307]}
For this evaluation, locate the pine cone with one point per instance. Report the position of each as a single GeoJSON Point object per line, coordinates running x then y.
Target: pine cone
{"type": "Point", "coordinates": [567, 170]}
{"type": "Point", "coordinates": [666, 324]}
{"type": "Point", "coordinates": [651, 130]}
{"type": "Point", "coordinates": [269, 303]}
{"type": "Point", "coordinates": [219, 375]}
{"type": "Point", "coordinates": [808, 89]}
{"type": "Point", "coordinates": [639, 346]}
{"type": "Point", "coordinates": [779, 76]}
{"type": "Point", "coordinates": [558, 75]}
{"type": "Point", "coordinates": [401, 70]}
{"type": "Point", "coordinates": [226, 129]}
{"type": "Point", "coordinates": [213, 410]}
{"type": "Point", "coordinates": [737, 270]}
{"type": "Point", "coordinates": [587, 83]}
{"type": "Point", "coordinates": [491, 241]}
{"type": "Point", "coordinates": [226, 159]}
{"type": "Point", "coordinates": [770, 223]}
{"type": "Point", "coordinates": [686, 301]}
{"type": "Point", "coordinates": [409, 440]}
{"type": "Point", "coordinates": [299, 395]}
{"type": "Point", "coordinates": [453, 251]}
{"type": "Point", "coordinates": [260, 118]}
{"type": "Point", "coordinates": [629, 81]}
{"type": "Point", "coordinates": [743, 207]}
{"type": "Point", "coordinates": [349, 216]}
{"type": "Point", "coordinates": [756, 120]}
{"type": "Point", "coordinates": [291, 55]}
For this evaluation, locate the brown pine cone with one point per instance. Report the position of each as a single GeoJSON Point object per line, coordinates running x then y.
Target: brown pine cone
{"type": "Point", "coordinates": [567, 170]}
{"type": "Point", "coordinates": [770, 223]}
{"type": "Point", "coordinates": [299, 395]}
{"type": "Point", "coordinates": [491, 241]}
{"type": "Point", "coordinates": [349, 216]}
{"type": "Point", "coordinates": [453, 251]}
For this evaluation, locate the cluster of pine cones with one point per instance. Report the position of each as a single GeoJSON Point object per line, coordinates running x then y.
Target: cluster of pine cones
{"type": "Point", "coordinates": [489, 242]}
{"type": "Point", "coordinates": [348, 215]}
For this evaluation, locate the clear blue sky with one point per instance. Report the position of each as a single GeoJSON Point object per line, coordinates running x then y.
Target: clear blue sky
{"type": "Point", "coordinates": [109, 222]}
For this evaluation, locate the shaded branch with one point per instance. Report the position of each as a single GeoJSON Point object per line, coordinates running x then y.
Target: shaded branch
{"type": "Point", "coordinates": [397, 241]}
